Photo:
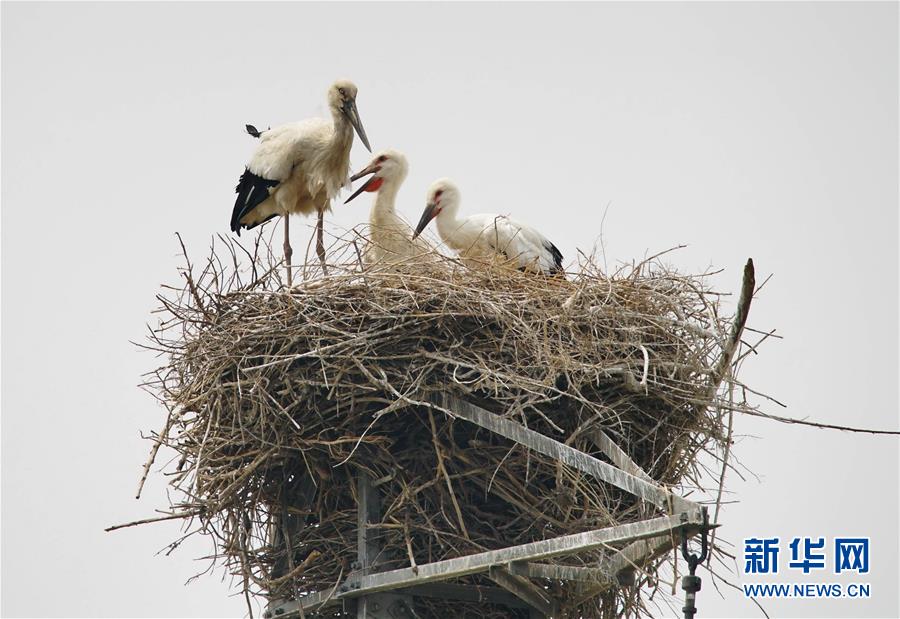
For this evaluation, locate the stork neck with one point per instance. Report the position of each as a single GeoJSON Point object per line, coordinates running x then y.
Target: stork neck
{"type": "Point", "coordinates": [336, 156]}
{"type": "Point", "coordinates": [343, 131]}
{"type": "Point", "coordinates": [447, 222]}
{"type": "Point", "coordinates": [385, 199]}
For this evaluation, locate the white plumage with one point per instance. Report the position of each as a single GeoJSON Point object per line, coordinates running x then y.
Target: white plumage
{"type": "Point", "coordinates": [299, 167]}
{"type": "Point", "coordinates": [390, 235]}
{"type": "Point", "coordinates": [487, 237]}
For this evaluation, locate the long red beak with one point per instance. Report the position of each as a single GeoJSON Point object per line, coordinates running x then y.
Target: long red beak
{"type": "Point", "coordinates": [430, 213]}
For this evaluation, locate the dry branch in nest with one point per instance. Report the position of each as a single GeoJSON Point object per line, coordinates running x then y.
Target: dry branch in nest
{"type": "Point", "coordinates": [279, 398]}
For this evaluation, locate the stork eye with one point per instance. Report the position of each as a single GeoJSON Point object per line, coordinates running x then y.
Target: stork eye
{"type": "Point", "coordinates": [382, 159]}
{"type": "Point", "coordinates": [341, 90]}
{"type": "Point", "coordinates": [437, 194]}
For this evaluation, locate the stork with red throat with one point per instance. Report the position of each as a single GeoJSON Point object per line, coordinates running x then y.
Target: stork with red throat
{"type": "Point", "coordinates": [390, 235]}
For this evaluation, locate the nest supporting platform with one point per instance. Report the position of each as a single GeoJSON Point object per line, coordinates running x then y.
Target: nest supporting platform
{"type": "Point", "coordinates": [386, 594]}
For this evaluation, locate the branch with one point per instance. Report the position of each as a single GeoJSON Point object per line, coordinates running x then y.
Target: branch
{"type": "Point", "coordinates": [737, 329]}
{"type": "Point", "coordinates": [825, 426]}
{"type": "Point", "coordinates": [149, 520]}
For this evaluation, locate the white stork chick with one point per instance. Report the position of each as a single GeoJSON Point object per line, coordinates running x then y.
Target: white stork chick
{"type": "Point", "coordinates": [391, 237]}
{"type": "Point", "coordinates": [299, 167]}
{"type": "Point", "coordinates": [487, 237]}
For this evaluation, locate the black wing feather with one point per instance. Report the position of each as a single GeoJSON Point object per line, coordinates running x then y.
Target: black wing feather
{"type": "Point", "coordinates": [254, 131]}
{"type": "Point", "coordinates": [258, 223]}
{"type": "Point", "coordinates": [557, 257]}
{"type": "Point", "coordinates": [252, 190]}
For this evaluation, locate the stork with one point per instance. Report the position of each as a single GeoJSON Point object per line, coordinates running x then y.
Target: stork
{"type": "Point", "coordinates": [299, 167]}
{"type": "Point", "coordinates": [391, 236]}
{"type": "Point", "coordinates": [487, 236]}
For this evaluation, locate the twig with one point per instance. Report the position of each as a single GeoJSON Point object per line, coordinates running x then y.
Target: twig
{"type": "Point", "coordinates": [814, 424]}
{"type": "Point", "coordinates": [153, 451]}
{"type": "Point", "coordinates": [149, 520]}
{"type": "Point", "coordinates": [443, 471]}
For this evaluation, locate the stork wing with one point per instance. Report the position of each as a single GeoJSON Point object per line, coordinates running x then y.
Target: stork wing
{"type": "Point", "coordinates": [520, 243]}
{"type": "Point", "coordinates": [548, 255]}
{"type": "Point", "coordinates": [280, 150]}
{"type": "Point", "coordinates": [251, 190]}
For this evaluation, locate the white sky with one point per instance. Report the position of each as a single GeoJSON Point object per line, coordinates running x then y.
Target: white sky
{"type": "Point", "coordinates": [763, 130]}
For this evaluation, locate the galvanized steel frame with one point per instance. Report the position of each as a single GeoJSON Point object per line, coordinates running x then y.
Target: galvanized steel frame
{"type": "Point", "coordinates": [511, 567]}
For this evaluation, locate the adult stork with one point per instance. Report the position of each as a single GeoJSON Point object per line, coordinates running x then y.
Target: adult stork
{"type": "Point", "coordinates": [487, 236]}
{"type": "Point", "coordinates": [299, 168]}
{"type": "Point", "coordinates": [390, 236]}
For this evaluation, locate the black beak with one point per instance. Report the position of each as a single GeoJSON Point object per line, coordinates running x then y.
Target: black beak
{"type": "Point", "coordinates": [427, 216]}
{"type": "Point", "coordinates": [353, 116]}
{"type": "Point", "coordinates": [372, 169]}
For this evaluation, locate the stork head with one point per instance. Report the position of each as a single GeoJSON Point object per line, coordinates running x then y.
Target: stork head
{"type": "Point", "coordinates": [442, 196]}
{"type": "Point", "coordinates": [388, 166]}
{"type": "Point", "coordinates": [342, 100]}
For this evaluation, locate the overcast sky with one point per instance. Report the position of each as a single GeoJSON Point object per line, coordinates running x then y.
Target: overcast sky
{"type": "Point", "coordinates": [763, 130]}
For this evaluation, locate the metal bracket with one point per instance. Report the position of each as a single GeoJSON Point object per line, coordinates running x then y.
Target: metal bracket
{"type": "Point", "coordinates": [524, 589]}
{"type": "Point", "coordinates": [386, 605]}
{"type": "Point", "coordinates": [466, 593]}
{"type": "Point", "coordinates": [511, 567]}
{"type": "Point", "coordinates": [691, 582]}
{"type": "Point", "coordinates": [664, 526]}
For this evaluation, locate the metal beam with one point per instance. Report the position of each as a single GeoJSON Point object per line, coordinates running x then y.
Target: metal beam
{"type": "Point", "coordinates": [593, 575]}
{"type": "Point", "coordinates": [567, 455]}
{"type": "Point", "coordinates": [618, 455]}
{"type": "Point", "coordinates": [483, 561]}
{"type": "Point", "coordinates": [465, 593]}
{"type": "Point", "coordinates": [523, 589]}
{"type": "Point", "coordinates": [387, 605]}
{"type": "Point", "coordinates": [369, 555]}
{"type": "Point", "coordinates": [285, 527]}
{"type": "Point", "coordinates": [368, 512]}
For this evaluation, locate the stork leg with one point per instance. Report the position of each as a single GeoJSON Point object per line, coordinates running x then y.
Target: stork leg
{"type": "Point", "coordinates": [320, 241]}
{"type": "Point", "coordinates": [288, 251]}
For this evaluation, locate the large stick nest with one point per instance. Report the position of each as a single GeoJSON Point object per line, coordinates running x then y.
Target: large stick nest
{"type": "Point", "coordinates": [280, 398]}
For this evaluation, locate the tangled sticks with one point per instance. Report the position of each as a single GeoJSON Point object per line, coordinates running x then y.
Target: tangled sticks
{"type": "Point", "coordinates": [280, 398]}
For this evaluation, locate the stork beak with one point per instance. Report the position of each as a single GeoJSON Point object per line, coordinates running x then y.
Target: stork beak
{"type": "Point", "coordinates": [370, 169]}
{"type": "Point", "coordinates": [353, 116]}
{"type": "Point", "coordinates": [430, 211]}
